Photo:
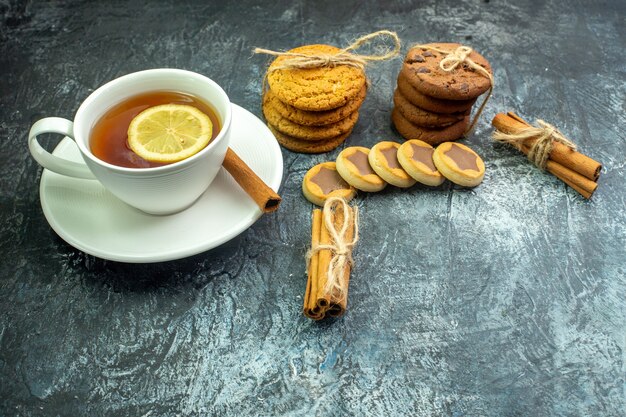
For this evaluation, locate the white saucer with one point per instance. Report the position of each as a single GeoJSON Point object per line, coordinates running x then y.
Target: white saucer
{"type": "Point", "coordinates": [91, 219]}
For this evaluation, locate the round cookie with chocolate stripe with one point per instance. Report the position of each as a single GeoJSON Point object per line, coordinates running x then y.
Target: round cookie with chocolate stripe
{"type": "Point", "coordinates": [416, 157]}
{"type": "Point", "coordinates": [323, 181]}
{"type": "Point", "coordinates": [313, 118]}
{"type": "Point", "coordinates": [308, 146]}
{"type": "Point", "coordinates": [421, 117]}
{"type": "Point", "coordinates": [459, 164]}
{"type": "Point", "coordinates": [428, 134]}
{"type": "Point", "coordinates": [315, 89]}
{"type": "Point", "coordinates": [429, 103]}
{"type": "Point", "coordinates": [383, 159]}
{"type": "Point", "coordinates": [421, 66]}
{"type": "Point", "coordinates": [354, 167]}
{"type": "Point", "coordinates": [301, 132]}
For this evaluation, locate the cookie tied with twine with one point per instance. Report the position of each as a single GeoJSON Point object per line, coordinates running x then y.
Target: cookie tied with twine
{"type": "Point", "coordinates": [334, 233]}
{"type": "Point", "coordinates": [456, 58]}
{"type": "Point", "coordinates": [323, 77]}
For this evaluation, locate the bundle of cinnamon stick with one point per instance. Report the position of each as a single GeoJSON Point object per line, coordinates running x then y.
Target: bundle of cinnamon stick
{"type": "Point", "coordinates": [572, 167]}
{"type": "Point", "coordinates": [334, 232]}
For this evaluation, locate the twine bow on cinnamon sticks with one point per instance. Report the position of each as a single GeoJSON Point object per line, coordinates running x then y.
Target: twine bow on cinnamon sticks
{"type": "Point", "coordinates": [544, 137]}
{"type": "Point", "coordinates": [451, 61]}
{"type": "Point", "coordinates": [335, 232]}
{"type": "Point", "coordinates": [345, 56]}
{"type": "Point", "coordinates": [549, 150]}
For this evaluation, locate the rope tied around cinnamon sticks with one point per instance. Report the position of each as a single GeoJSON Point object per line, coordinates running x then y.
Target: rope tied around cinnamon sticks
{"type": "Point", "coordinates": [572, 167]}
{"type": "Point", "coordinates": [452, 60]}
{"type": "Point", "coordinates": [545, 136]}
{"type": "Point", "coordinates": [343, 57]}
{"type": "Point", "coordinates": [340, 247]}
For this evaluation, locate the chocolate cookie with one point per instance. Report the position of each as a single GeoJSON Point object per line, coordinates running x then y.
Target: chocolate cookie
{"type": "Point", "coordinates": [312, 133]}
{"type": "Point", "coordinates": [313, 118]}
{"type": "Point", "coordinates": [433, 104]}
{"type": "Point", "coordinates": [315, 89]}
{"type": "Point", "coordinates": [308, 146]}
{"type": "Point", "coordinates": [421, 117]}
{"type": "Point", "coordinates": [354, 167]}
{"type": "Point", "coordinates": [429, 135]}
{"type": "Point", "coordinates": [383, 159]}
{"type": "Point", "coordinates": [421, 66]}
{"type": "Point", "coordinates": [459, 164]}
{"type": "Point", "coordinates": [416, 157]}
{"type": "Point", "coordinates": [323, 181]}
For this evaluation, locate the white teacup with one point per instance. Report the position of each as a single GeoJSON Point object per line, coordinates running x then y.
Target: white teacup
{"type": "Point", "coordinates": [162, 190]}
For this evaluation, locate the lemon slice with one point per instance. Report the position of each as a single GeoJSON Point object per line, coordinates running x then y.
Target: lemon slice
{"type": "Point", "coordinates": [169, 132]}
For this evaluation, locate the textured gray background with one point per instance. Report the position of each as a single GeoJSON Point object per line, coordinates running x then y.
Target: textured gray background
{"type": "Point", "coordinates": [505, 300]}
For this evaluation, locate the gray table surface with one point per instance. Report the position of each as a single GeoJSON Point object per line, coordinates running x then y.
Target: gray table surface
{"type": "Point", "coordinates": [505, 300]}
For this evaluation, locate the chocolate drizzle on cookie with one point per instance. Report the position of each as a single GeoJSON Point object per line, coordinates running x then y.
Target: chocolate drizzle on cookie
{"type": "Point", "coordinates": [423, 155]}
{"type": "Point", "coordinates": [329, 180]}
{"type": "Point", "coordinates": [463, 158]}
{"type": "Point", "coordinates": [360, 161]}
{"type": "Point", "coordinates": [391, 156]}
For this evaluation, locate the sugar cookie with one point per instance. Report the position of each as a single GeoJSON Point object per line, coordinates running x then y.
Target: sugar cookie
{"type": "Point", "coordinates": [384, 161]}
{"type": "Point", "coordinates": [355, 169]}
{"type": "Point", "coordinates": [323, 181]}
{"type": "Point", "coordinates": [416, 157]}
{"type": "Point", "coordinates": [313, 118]}
{"type": "Point", "coordinates": [308, 146]}
{"type": "Point", "coordinates": [302, 132]}
{"type": "Point", "coordinates": [459, 164]}
{"type": "Point", "coordinates": [315, 89]}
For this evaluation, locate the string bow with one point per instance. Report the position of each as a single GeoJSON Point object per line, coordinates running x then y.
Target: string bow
{"type": "Point", "coordinates": [297, 60]}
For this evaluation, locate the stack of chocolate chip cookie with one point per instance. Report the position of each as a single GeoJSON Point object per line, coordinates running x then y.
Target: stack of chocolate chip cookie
{"type": "Point", "coordinates": [313, 110]}
{"type": "Point", "coordinates": [434, 105]}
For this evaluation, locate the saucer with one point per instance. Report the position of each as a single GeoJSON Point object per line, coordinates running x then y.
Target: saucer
{"type": "Point", "coordinates": [88, 217]}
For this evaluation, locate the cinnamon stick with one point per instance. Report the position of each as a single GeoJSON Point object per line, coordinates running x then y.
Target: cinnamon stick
{"type": "Point", "coordinates": [310, 296]}
{"type": "Point", "coordinates": [325, 255]}
{"type": "Point", "coordinates": [261, 193]}
{"type": "Point", "coordinates": [339, 301]}
{"type": "Point", "coordinates": [576, 161]}
{"type": "Point", "coordinates": [568, 166]}
{"type": "Point", "coordinates": [583, 185]}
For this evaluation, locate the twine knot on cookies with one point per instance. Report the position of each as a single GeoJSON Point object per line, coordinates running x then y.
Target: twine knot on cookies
{"type": "Point", "coordinates": [456, 57]}
{"type": "Point", "coordinates": [340, 246]}
{"type": "Point", "coordinates": [452, 60]}
{"type": "Point", "coordinates": [343, 57]}
{"type": "Point", "coordinates": [545, 135]}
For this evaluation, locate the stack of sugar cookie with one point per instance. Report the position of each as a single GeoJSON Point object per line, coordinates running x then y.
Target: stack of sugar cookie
{"type": "Point", "coordinates": [370, 170]}
{"type": "Point", "coordinates": [434, 105]}
{"type": "Point", "coordinates": [313, 110]}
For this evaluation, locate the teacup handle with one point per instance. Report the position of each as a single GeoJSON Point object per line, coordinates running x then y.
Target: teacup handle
{"type": "Point", "coordinates": [52, 162]}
